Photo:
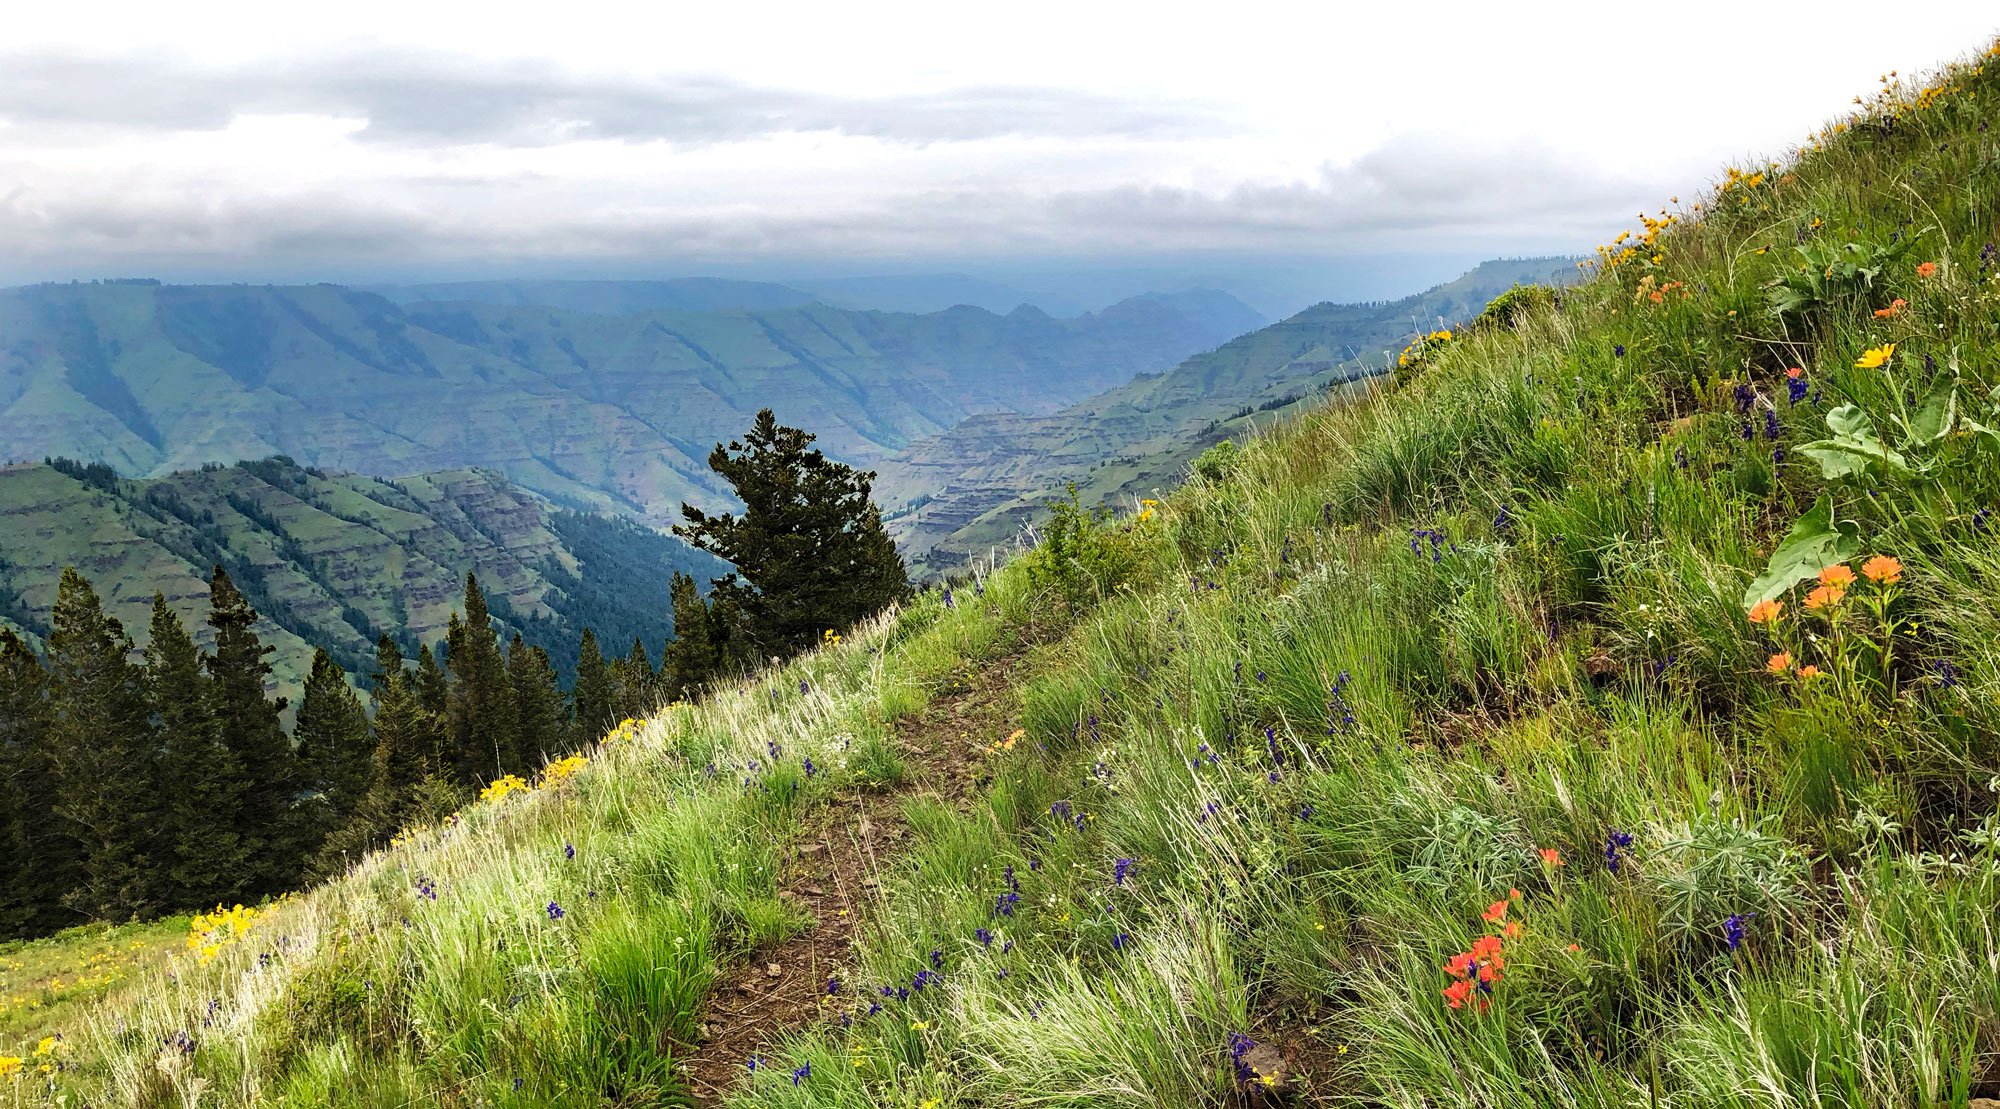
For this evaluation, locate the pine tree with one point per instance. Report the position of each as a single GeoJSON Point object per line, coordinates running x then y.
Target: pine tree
{"type": "Point", "coordinates": [206, 861]}
{"type": "Point", "coordinates": [102, 747]}
{"type": "Point", "coordinates": [638, 693]}
{"type": "Point", "coordinates": [481, 706]}
{"type": "Point", "coordinates": [402, 761]}
{"type": "Point", "coordinates": [596, 691]}
{"type": "Point", "coordinates": [541, 719]}
{"type": "Point", "coordinates": [43, 862]}
{"type": "Point", "coordinates": [334, 747]}
{"type": "Point", "coordinates": [810, 551]}
{"type": "Point", "coordinates": [703, 647]}
{"type": "Point", "coordinates": [239, 670]}
{"type": "Point", "coordinates": [433, 695]}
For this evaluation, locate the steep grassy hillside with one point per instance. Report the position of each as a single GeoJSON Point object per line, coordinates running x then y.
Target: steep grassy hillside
{"type": "Point", "coordinates": [335, 560]}
{"type": "Point", "coordinates": [953, 495]}
{"type": "Point", "coordinates": [596, 411]}
{"type": "Point", "coordinates": [1444, 749]}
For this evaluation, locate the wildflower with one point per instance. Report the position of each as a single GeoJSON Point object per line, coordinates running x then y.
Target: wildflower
{"type": "Point", "coordinates": [47, 1046]}
{"type": "Point", "coordinates": [1883, 570]}
{"type": "Point", "coordinates": [1824, 596]}
{"type": "Point", "coordinates": [555, 911]}
{"type": "Point", "coordinates": [1766, 611]}
{"type": "Point", "coordinates": [1732, 929]}
{"type": "Point", "coordinates": [1240, 1045]}
{"type": "Point", "coordinates": [1614, 843]}
{"type": "Point", "coordinates": [808, 767]}
{"type": "Point", "coordinates": [1796, 384]}
{"type": "Point", "coordinates": [801, 1073]}
{"type": "Point", "coordinates": [503, 786]}
{"type": "Point", "coordinates": [1456, 993]}
{"type": "Point", "coordinates": [923, 979]}
{"type": "Point", "coordinates": [1120, 941]}
{"type": "Point", "coordinates": [9, 1064]}
{"type": "Point", "coordinates": [937, 959]}
{"type": "Point", "coordinates": [1551, 857]}
{"type": "Point", "coordinates": [1809, 671]}
{"type": "Point", "coordinates": [1875, 357]}
{"type": "Point", "coordinates": [1494, 912]}
{"type": "Point", "coordinates": [1926, 269]}
{"type": "Point", "coordinates": [569, 850]}
{"type": "Point", "coordinates": [984, 936]}
{"type": "Point", "coordinates": [1574, 948]}
{"type": "Point", "coordinates": [1121, 870]}
{"type": "Point", "coordinates": [1895, 307]}
{"type": "Point", "coordinates": [1947, 673]}
{"type": "Point", "coordinates": [1512, 929]}
{"type": "Point", "coordinates": [1838, 576]}
{"type": "Point", "coordinates": [1780, 662]}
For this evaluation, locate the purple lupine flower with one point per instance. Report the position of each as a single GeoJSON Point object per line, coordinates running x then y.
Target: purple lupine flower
{"type": "Point", "coordinates": [1772, 428]}
{"type": "Point", "coordinates": [937, 959]}
{"type": "Point", "coordinates": [833, 987]}
{"type": "Point", "coordinates": [1796, 388]}
{"type": "Point", "coordinates": [1239, 1046]}
{"type": "Point", "coordinates": [555, 911]}
{"type": "Point", "coordinates": [801, 1072]}
{"type": "Point", "coordinates": [1121, 869]}
{"type": "Point", "coordinates": [1745, 397]}
{"type": "Point", "coordinates": [1618, 350]}
{"type": "Point", "coordinates": [984, 936]}
{"type": "Point", "coordinates": [1732, 929]}
{"type": "Point", "coordinates": [1120, 941]}
{"type": "Point", "coordinates": [923, 978]}
{"type": "Point", "coordinates": [569, 850]}
{"type": "Point", "coordinates": [1612, 845]}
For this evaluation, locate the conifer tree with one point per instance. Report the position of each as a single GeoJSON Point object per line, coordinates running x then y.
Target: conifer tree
{"type": "Point", "coordinates": [637, 683]}
{"type": "Point", "coordinates": [101, 743]}
{"type": "Point", "coordinates": [205, 858]}
{"type": "Point", "coordinates": [810, 551]}
{"type": "Point", "coordinates": [402, 761]}
{"type": "Point", "coordinates": [704, 647]}
{"type": "Point", "coordinates": [334, 747]}
{"type": "Point", "coordinates": [596, 691]}
{"type": "Point", "coordinates": [433, 695]}
{"type": "Point", "coordinates": [481, 706]}
{"type": "Point", "coordinates": [540, 714]}
{"type": "Point", "coordinates": [43, 862]}
{"type": "Point", "coordinates": [248, 720]}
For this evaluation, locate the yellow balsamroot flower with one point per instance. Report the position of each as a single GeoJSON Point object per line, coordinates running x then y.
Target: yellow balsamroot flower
{"type": "Point", "coordinates": [562, 770]}
{"type": "Point", "coordinates": [209, 933]}
{"type": "Point", "coordinates": [1147, 509]}
{"type": "Point", "coordinates": [1875, 357]}
{"type": "Point", "coordinates": [830, 637]}
{"type": "Point", "coordinates": [9, 1064]}
{"type": "Point", "coordinates": [501, 787]}
{"type": "Point", "coordinates": [47, 1047]}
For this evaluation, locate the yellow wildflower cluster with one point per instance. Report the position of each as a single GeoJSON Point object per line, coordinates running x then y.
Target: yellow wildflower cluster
{"type": "Point", "coordinates": [561, 770]}
{"type": "Point", "coordinates": [1875, 357]}
{"type": "Point", "coordinates": [830, 638]}
{"type": "Point", "coordinates": [504, 786]}
{"type": "Point", "coordinates": [1148, 508]}
{"type": "Point", "coordinates": [626, 729]}
{"type": "Point", "coordinates": [1421, 346]}
{"type": "Point", "coordinates": [209, 933]}
{"type": "Point", "coordinates": [9, 1065]}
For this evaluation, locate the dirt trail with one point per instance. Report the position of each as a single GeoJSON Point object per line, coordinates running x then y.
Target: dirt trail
{"type": "Point", "coordinates": [831, 874]}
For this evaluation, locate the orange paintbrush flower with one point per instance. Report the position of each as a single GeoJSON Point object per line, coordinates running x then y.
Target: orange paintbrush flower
{"type": "Point", "coordinates": [1766, 612]}
{"type": "Point", "coordinates": [1883, 570]}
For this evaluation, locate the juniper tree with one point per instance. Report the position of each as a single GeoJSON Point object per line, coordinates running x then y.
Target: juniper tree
{"type": "Point", "coordinates": [809, 549]}
{"type": "Point", "coordinates": [201, 848]}
{"type": "Point", "coordinates": [101, 747]}
{"type": "Point", "coordinates": [248, 719]}
{"type": "Point", "coordinates": [45, 862]}
{"type": "Point", "coordinates": [334, 747]}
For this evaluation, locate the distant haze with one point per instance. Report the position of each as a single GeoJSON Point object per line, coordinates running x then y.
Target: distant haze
{"type": "Point", "coordinates": [1077, 152]}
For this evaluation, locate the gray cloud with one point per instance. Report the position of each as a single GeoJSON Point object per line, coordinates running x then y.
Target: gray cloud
{"type": "Point", "coordinates": [430, 97]}
{"type": "Point", "coordinates": [1412, 194]}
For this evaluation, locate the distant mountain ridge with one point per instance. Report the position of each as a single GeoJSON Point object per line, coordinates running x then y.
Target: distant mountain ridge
{"type": "Point", "coordinates": [957, 493]}
{"type": "Point", "coordinates": [335, 560]}
{"type": "Point", "coordinates": [594, 410]}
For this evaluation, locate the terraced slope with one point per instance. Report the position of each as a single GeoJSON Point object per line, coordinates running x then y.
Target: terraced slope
{"type": "Point", "coordinates": [594, 410]}
{"type": "Point", "coordinates": [1604, 715]}
{"type": "Point", "coordinates": [334, 560]}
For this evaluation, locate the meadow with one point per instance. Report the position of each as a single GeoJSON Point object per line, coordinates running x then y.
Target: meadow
{"type": "Point", "coordinates": [1604, 711]}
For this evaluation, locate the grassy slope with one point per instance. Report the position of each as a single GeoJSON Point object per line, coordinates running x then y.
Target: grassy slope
{"type": "Point", "coordinates": [980, 481]}
{"type": "Point", "coordinates": [1577, 668]}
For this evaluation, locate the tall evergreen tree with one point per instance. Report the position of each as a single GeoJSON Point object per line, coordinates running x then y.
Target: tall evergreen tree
{"type": "Point", "coordinates": [706, 644]}
{"type": "Point", "coordinates": [334, 747]}
{"type": "Point", "coordinates": [402, 761]}
{"type": "Point", "coordinates": [44, 862]}
{"type": "Point", "coordinates": [205, 858]}
{"type": "Point", "coordinates": [432, 691]}
{"type": "Point", "coordinates": [248, 720]}
{"type": "Point", "coordinates": [481, 707]}
{"type": "Point", "coordinates": [810, 551]}
{"type": "Point", "coordinates": [638, 692]}
{"type": "Point", "coordinates": [101, 743]}
{"type": "Point", "coordinates": [540, 714]}
{"type": "Point", "coordinates": [596, 691]}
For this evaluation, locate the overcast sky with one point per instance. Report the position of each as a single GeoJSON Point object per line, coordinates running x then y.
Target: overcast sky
{"type": "Point", "coordinates": [367, 138]}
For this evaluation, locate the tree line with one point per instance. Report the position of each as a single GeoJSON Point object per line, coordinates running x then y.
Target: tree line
{"type": "Point", "coordinates": [136, 785]}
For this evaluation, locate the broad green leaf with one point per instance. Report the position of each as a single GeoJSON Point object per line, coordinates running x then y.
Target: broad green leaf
{"type": "Point", "coordinates": [1813, 544]}
{"type": "Point", "coordinates": [1933, 418]}
{"type": "Point", "coordinates": [1853, 448]}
